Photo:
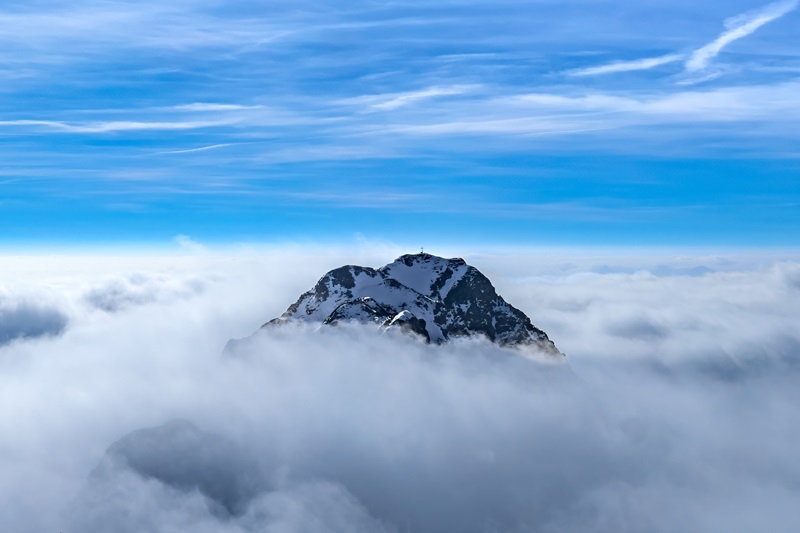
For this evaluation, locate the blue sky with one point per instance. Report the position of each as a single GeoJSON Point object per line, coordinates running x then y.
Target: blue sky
{"type": "Point", "coordinates": [536, 122]}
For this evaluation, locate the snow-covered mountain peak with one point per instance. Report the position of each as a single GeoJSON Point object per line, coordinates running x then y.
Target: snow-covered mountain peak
{"type": "Point", "coordinates": [439, 299]}
{"type": "Point", "coordinates": [425, 273]}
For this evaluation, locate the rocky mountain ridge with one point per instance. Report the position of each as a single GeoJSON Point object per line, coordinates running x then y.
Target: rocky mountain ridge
{"type": "Point", "coordinates": [439, 299]}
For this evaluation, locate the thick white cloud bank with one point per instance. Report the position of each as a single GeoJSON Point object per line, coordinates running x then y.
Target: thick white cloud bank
{"type": "Point", "coordinates": [677, 411]}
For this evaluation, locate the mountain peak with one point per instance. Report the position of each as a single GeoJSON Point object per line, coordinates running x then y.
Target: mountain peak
{"type": "Point", "coordinates": [440, 299]}
{"type": "Point", "coordinates": [422, 257]}
{"type": "Point", "coordinates": [427, 274]}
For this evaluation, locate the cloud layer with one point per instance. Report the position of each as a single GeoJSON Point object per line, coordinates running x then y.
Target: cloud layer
{"type": "Point", "coordinates": [29, 319]}
{"type": "Point", "coordinates": [677, 410]}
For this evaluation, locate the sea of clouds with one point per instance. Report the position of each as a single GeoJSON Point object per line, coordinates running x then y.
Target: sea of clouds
{"type": "Point", "coordinates": [677, 409]}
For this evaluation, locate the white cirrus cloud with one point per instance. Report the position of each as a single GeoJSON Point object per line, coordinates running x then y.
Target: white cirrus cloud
{"type": "Point", "coordinates": [627, 66]}
{"type": "Point", "coordinates": [737, 28]}
{"type": "Point", "coordinates": [389, 102]}
{"type": "Point", "coordinates": [198, 149]}
{"type": "Point", "coordinates": [115, 125]}
{"type": "Point", "coordinates": [560, 114]}
{"type": "Point", "coordinates": [206, 106]}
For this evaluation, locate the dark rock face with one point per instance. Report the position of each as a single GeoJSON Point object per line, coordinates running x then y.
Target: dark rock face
{"type": "Point", "coordinates": [474, 307]}
{"type": "Point", "coordinates": [362, 310]}
{"type": "Point", "coordinates": [439, 299]}
{"type": "Point", "coordinates": [408, 323]}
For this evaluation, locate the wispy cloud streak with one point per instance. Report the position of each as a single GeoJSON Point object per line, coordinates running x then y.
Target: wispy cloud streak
{"type": "Point", "coordinates": [628, 66]}
{"type": "Point", "coordinates": [114, 126]}
{"type": "Point", "coordinates": [737, 28]}
{"type": "Point", "coordinates": [205, 106]}
{"type": "Point", "coordinates": [200, 149]}
{"type": "Point", "coordinates": [700, 60]}
{"type": "Point", "coordinates": [389, 102]}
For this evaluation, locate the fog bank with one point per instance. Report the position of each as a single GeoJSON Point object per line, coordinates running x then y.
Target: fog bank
{"type": "Point", "coordinates": [676, 411]}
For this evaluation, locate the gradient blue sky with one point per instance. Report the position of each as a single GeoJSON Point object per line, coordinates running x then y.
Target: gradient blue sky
{"type": "Point", "coordinates": [535, 122]}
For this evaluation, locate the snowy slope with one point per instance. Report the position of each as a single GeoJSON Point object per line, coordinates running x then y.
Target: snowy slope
{"type": "Point", "coordinates": [441, 299]}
